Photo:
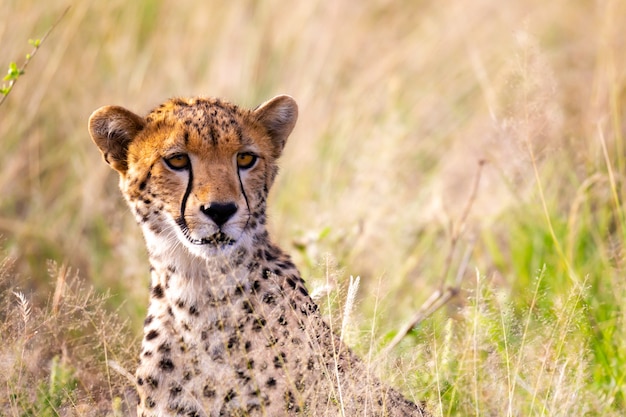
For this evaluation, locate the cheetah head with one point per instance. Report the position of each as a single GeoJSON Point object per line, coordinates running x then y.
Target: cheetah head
{"type": "Point", "coordinates": [196, 171]}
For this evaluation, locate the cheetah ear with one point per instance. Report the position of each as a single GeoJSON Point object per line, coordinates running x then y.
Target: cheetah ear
{"type": "Point", "coordinates": [279, 116]}
{"type": "Point", "coordinates": [112, 128]}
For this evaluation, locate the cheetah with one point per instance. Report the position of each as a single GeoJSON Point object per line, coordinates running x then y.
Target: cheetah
{"type": "Point", "coordinates": [230, 329]}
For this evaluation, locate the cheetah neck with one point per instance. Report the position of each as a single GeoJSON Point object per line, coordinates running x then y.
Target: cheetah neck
{"type": "Point", "coordinates": [182, 280]}
{"type": "Point", "coordinates": [189, 279]}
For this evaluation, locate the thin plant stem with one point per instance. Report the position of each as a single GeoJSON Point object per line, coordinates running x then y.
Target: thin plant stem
{"type": "Point", "coordinates": [30, 56]}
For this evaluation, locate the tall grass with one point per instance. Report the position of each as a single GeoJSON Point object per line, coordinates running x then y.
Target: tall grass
{"type": "Point", "coordinates": [399, 101]}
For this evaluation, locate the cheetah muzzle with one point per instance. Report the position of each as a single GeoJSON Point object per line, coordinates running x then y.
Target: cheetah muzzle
{"type": "Point", "coordinates": [230, 329]}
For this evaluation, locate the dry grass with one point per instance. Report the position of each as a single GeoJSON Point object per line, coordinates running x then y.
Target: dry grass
{"type": "Point", "coordinates": [398, 102]}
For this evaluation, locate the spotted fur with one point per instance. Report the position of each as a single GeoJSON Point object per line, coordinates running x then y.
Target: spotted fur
{"type": "Point", "coordinates": [231, 329]}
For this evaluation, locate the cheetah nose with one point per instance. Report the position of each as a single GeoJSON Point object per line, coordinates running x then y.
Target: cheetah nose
{"type": "Point", "coordinates": [219, 212]}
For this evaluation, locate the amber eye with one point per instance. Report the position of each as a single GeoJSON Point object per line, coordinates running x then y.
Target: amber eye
{"type": "Point", "coordinates": [178, 161]}
{"type": "Point", "coordinates": [246, 160]}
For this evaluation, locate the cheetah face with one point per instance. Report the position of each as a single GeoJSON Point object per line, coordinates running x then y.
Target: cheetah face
{"type": "Point", "coordinates": [196, 171]}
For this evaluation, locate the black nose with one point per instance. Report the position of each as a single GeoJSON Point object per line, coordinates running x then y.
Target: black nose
{"type": "Point", "coordinates": [219, 212]}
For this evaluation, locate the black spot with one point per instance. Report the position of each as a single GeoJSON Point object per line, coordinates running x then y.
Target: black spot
{"type": "Point", "coordinates": [266, 273]}
{"type": "Point", "coordinates": [258, 324]}
{"type": "Point", "coordinates": [152, 334]}
{"type": "Point", "coordinates": [269, 256]}
{"type": "Point", "coordinates": [285, 264]}
{"type": "Point", "coordinates": [148, 320]}
{"type": "Point", "coordinates": [282, 321]}
{"type": "Point", "coordinates": [278, 272]}
{"type": "Point", "coordinates": [180, 102]}
{"type": "Point", "coordinates": [150, 403]}
{"type": "Point", "coordinates": [307, 308]}
{"type": "Point", "coordinates": [186, 137]}
{"type": "Point", "coordinates": [268, 298]}
{"type": "Point", "coordinates": [243, 376]}
{"type": "Point", "coordinates": [203, 335]}
{"type": "Point", "coordinates": [170, 312]}
{"type": "Point", "coordinates": [310, 364]}
{"type": "Point", "coordinates": [208, 392]}
{"type": "Point", "coordinates": [303, 291]}
{"type": "Point", "coordinates": [140, 381]}
{"type": "Point", "coordinates": [290, 402]}
{"type": "Point", "coordinates": [280, 360]}
{"type": "Point", "coordinates": [152, 382]}
{"type": "Point", "coordinates": [291, 283]}
{"type": "Point", "coordinates": [271, 382]}
{"type": "Point", "coordinates": [166, 364]}
{"type": "Point", "coordinates": [180, 303]}
{"type": "Point", "coordinates": [193, 310]}
{"type": "Point", "coordinates": [247, 346]}
{"type": "Point", "coordinates": [175, 390]}
{"type": "Point", "coordinates": [250, 364]}
{"type": "Point", "coordinates": [233, 341]}
{"type": "Point", "coordinates": [271, 341]}
{"type": "Point", "coordinates": [157, 291]}
{"type": "Point", "coordinates": [142, 186]}
{"type": "Point", "coordinates": [230, 395]}
{"type": "Point", "coordinates": [147, 353]}
{"type": "Point", "coordinates": [247, 307]}
{"type": "Point", "coordinates": [165, 348]}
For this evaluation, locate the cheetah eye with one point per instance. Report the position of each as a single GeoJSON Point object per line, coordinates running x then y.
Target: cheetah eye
{"type": "Point", "coordinates": [246, 160]}
{"type": "Point", "coordinates": [178, 161]}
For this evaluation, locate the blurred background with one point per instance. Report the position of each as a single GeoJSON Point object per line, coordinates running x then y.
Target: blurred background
{"type": "Point", "coordinates": [400, 102]}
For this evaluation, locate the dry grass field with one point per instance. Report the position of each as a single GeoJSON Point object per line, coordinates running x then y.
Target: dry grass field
{"type": "Point", "coordinates": [401, 103]}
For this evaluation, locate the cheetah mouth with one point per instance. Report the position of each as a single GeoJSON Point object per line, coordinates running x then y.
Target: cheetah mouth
{"type": "Point", "coordinates": [218, 239]}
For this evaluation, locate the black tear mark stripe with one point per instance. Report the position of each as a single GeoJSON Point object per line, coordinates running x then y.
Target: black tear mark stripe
{"type": "Point", "coordinates": [245, 197]}
{"type": "Point", "coordinates": [183, 203]}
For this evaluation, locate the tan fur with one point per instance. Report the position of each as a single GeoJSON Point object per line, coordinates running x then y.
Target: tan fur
{"type": "Point", "coordinates": [230, 329]}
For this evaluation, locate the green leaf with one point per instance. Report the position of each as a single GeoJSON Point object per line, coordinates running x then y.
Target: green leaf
{"type": "Point", "coordinates": [13, 73]}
